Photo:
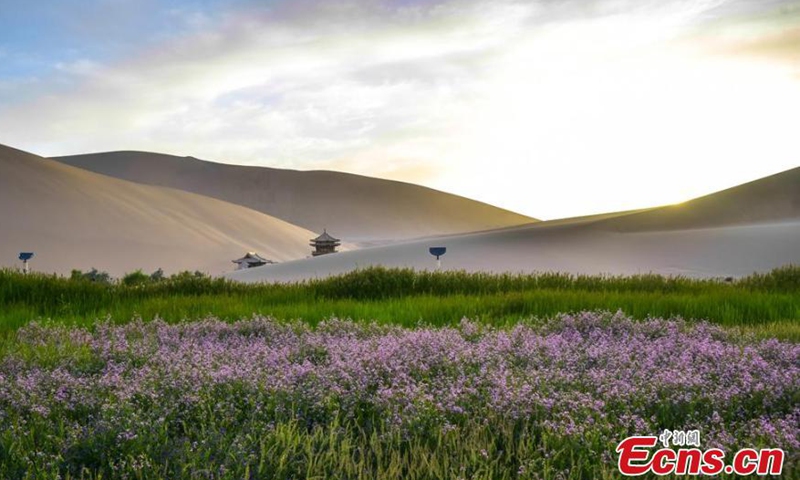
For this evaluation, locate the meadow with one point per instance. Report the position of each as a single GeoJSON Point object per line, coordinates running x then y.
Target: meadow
{"type": "Point", "coordinates": [767, 304]}
{"type": "Point", "coordinates": [388, 374]}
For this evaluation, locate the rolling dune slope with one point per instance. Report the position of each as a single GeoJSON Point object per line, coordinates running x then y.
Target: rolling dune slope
{"type": "Point", "coordinates": [72, 218]}
{"type": "Point", "coordinates": [754, 227]}
{"type": "Point", "coordinates": [769, 199]}
{"type": "Point", "coordinates": [352, 207]}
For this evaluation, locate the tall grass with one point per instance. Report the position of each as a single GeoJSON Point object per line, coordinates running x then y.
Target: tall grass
{"type": "Point", "coordinates": [375, 283]}
{"type": "Point", "coordinates": [408, 297]}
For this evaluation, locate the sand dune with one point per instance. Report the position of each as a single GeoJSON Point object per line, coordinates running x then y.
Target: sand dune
{"type": "Point", "coordinates": [353, 207]}
{"type": "Point", "coordinates": [732, 233]}
{"type": "Point", "coordinates": [72, 218]}
{"type": "Point", "coordinates": [771, 199]}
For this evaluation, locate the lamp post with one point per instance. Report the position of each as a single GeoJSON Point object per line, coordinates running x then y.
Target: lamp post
{"type": "Point", "coordinates": [438, 252]}
{"type": "Point", "coordinates": [25, 256]}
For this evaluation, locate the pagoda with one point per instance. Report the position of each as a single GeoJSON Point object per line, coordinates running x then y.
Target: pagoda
{"type": "Point", "coordinates": [324, 244]}
{"type": "Point", "coordinates": [250, 260]}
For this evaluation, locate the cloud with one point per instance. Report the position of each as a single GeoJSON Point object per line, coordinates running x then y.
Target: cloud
{"type": "Point", "coordinates": [773, 34]}
{"type": "Point", "coordinates": [290, 82]}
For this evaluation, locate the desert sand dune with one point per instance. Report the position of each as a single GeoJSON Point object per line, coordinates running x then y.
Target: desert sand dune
{"type": "Point", "coordinates": [731, 233]}
{"type": "Point", "coordinates": [73, 218]}
{"type": "Point", "coordinates": [353, 207]}
{"type": "Point", "coordinates": [771, 199]}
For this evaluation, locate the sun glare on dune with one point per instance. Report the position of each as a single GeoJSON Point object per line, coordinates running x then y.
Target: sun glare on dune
{"type": "Point", "coordinates": [629, 120]}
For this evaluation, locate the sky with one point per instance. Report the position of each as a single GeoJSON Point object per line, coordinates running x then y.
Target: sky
{"type": "Point", "coordinates": [551, 108]}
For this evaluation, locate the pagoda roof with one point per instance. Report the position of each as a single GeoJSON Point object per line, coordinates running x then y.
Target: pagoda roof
{"type": "Point", "coordinates": [252, 257]}
{"type": "Point", "coordinates": [325, 237]}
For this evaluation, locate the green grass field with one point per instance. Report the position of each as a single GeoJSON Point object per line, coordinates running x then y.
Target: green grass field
{"type": "Point", "coordinates": [768, 304]}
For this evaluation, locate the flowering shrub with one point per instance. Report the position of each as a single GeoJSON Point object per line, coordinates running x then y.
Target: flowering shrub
{"type": "Point", "coordinates": [262, 399]}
